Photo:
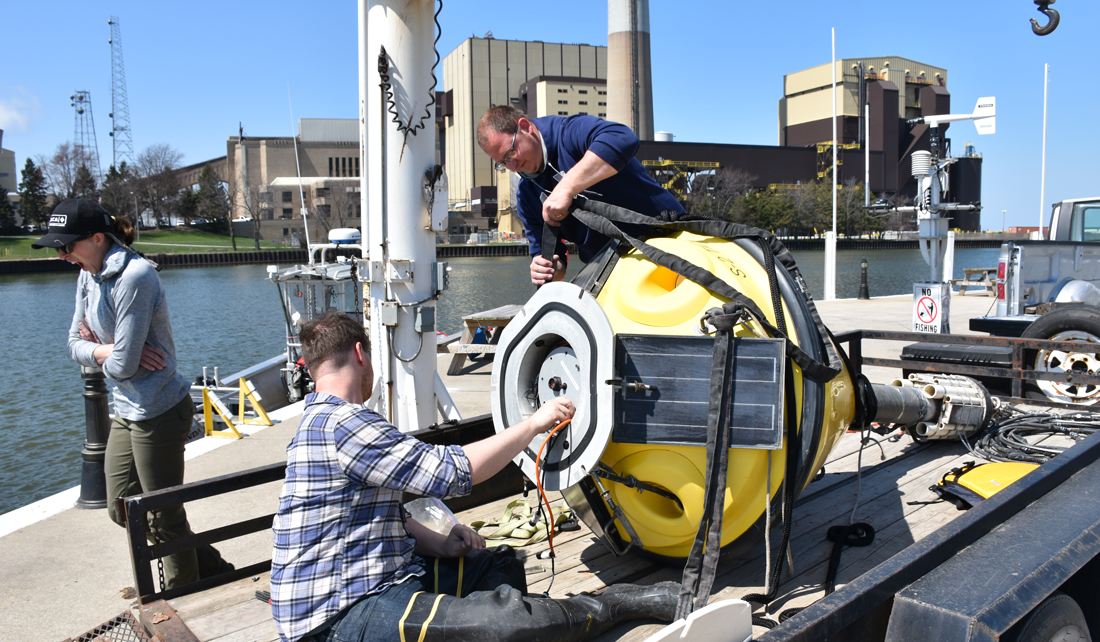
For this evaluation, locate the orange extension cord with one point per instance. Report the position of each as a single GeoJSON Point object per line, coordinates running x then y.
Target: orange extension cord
{"type": "Point", "coordinates": [538, 482]}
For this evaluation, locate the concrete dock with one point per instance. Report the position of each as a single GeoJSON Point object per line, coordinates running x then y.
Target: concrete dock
{"type": "Point", "coordinates": [69, 572]}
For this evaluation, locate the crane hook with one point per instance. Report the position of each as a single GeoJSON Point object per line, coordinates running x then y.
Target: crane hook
{"type": "Point", "coordinates": [1044, 7]}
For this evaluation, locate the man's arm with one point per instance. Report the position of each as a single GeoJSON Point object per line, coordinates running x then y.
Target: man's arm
{"type": "Point", "coordinates": [607, 148]}
{"type": "Point", "coordinates": [461, 540]}
{"type": "Point", "coordinates": [590, 170]}
{"type": "Point", "coordinates": [372, 452]}
{"type": "Point", "coordinates": [488, 456]}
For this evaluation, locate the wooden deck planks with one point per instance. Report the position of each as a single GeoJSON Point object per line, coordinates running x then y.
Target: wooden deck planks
{"type": "Point", "coordinates": [233, 614]}
{"type": "Point", "coordinates": [229, 613]}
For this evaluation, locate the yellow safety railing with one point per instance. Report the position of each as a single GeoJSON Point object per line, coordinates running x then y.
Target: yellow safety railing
{"type": "Point", "coordinates": [212, 403]}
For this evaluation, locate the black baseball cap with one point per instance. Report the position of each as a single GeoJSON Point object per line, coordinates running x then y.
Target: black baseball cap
{"type": "Point", "coordinates": [73, 220]}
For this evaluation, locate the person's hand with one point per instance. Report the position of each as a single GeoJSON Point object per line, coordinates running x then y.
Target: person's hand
{"type": "Point", "coordinates": [552, 413]}
{"type": "Point", "coordinates": [153, 358]}
{"type": "Point", "coordinates": [556, 206]}
{"type": "Point", "coordinates": [461, 540]}
{"type": "Point", "coordinates": [86, 332]}
{"type": "Point", "coordinates": [544, 271]}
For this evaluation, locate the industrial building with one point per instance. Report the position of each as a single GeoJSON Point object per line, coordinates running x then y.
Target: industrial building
{"type": "Point", "coordinates": [537, 77]}
{"type": "Point", "coordinates": [895, 90]}
{"type": "Point", "coordinates": [262, 176]}
{"type": "Point", "coordinates": [9, 179]}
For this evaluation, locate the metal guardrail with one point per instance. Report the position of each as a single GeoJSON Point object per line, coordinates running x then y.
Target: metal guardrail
{"type": "Point", "coordinates": [1017, 374]}
{"type": "Point", "coordinates": [135, 509]}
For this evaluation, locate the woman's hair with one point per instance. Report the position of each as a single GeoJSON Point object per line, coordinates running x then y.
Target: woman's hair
{"type": "Point", "coordinates": [122, 230]}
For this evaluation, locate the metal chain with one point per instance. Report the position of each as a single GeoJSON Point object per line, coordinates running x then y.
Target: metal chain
{"type": "Point", "coordinates": [160, 561]}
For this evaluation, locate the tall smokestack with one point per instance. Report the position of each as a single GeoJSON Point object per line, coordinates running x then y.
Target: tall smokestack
{"type": "Point", "coordinates": [629, 80]}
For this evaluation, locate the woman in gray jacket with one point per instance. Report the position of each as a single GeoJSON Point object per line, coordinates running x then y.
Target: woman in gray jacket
{"type": "Point", "coordinates": [121, 325]}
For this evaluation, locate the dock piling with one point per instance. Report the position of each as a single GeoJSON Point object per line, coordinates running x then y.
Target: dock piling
{"type": "Point", "coordinates": [863, 294]}
{"type": "Point", "coordinates": [97, 421]}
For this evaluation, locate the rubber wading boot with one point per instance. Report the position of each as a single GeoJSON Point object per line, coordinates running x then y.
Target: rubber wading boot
{"type": "Point", "coordinates": [506, 615]}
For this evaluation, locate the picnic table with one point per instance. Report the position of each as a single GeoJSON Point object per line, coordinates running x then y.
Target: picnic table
{"type": "Point", "coordinates": [985, 278]}
{"type": "Point", "coordinates": [496, 318]}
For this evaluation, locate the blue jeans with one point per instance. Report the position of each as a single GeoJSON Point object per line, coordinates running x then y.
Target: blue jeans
{"type": "Point", "coordinates": [487, 579]}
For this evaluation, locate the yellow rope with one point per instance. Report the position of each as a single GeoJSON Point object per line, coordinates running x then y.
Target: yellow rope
{"type": "Point", "coordinates": [424, 629]}
{"type": "Point", "coordinates": [408, 609]}
{"type": "Point", "coordinates": [461, 563]}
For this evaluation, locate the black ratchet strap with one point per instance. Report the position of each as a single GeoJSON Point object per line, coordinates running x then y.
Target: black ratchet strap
{"type": "Point", "coordinates": [551, 238]}
{"type": "Point", "coordinates": [604, 471]}
{"type": "Point", "coordinates": [702, 561]}
{"type": "Point", "coordinates": [601, 217]}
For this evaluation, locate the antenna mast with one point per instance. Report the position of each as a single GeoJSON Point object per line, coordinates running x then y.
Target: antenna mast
{"type": "Point", "coordinates": [120, 109]}
{"type": "Point", "coordinates": [84, 141]}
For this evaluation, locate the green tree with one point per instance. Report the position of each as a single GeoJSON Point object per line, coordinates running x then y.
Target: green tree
{"type": "Point", "coordinates": [768, 210]}
{"type": "Point", "coordinates": [84, 184]}
{"type": "Point", "coordinates": [117, 192]}
{"type": "Point", "coordinates": [187, 207]}
{"type": "Point", "coordinates": [32, 195]}
{"type": "Point", "coordinates": [7, 214]}
{"type": "Point", "coordinates": [213, 200]}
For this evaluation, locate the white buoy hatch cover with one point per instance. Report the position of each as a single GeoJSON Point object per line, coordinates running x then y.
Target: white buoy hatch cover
{"type": "Point", "coordinates": [561, 344]}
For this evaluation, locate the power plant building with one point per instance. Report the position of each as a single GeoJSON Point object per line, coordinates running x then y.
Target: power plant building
{"type": "Point", "coordinates": [484, 72]}
{"type": "Point", "coordinates": [630, 79]}
{"type": "Point", "coordinates": [895, 89]}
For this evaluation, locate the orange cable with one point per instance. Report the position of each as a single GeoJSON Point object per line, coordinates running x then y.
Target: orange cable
{"type": "Point", "coordinates": [538, 482]}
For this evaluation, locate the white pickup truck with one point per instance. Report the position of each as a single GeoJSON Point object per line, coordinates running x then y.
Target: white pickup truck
{"type": "Point", "coordinates": [1048, 289]}
{"type": "Point", "coordinates": [1063, 268]}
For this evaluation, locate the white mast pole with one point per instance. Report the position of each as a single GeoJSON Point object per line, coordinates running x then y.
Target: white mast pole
{"type": "Point", "coordinates": [401, 243]}
{"type": "Point", "coordinates": [830, 238]}
{"type": "Point", "coordinates": [1043, 175]}
{"type": "Point", "coordinates": [867, 154]}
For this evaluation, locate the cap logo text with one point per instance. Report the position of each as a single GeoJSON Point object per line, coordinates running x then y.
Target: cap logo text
{"type": "Point", "coordinates": [58, 219]}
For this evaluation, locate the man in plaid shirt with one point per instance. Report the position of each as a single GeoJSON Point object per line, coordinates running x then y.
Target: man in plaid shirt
{"type": "Point", "coordinates": [348, 559]}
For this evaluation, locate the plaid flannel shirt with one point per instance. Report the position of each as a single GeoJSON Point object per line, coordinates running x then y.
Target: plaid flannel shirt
{"type": "Point", "coordinates": [340, 531]}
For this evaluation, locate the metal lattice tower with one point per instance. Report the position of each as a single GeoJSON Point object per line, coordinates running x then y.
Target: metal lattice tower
{"type": "Point", "coordinates": [85, 146]}
{"type": "Point", "coordinates": [120, 107]}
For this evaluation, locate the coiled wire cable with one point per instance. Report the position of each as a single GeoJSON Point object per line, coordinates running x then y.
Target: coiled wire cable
{"type": "Point", "coordinates": [1020, 436]}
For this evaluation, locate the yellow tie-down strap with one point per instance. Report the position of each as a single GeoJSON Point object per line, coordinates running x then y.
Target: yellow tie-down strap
{"type": "Point", "coordinates": [514, 526]}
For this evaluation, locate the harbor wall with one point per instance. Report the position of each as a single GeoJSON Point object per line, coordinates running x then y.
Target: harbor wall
{"type": "Point", "coordinates": [30, 266]}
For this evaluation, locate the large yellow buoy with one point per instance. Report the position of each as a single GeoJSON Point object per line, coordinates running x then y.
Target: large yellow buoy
{"type": "Point", "coordinates": [626, 344]}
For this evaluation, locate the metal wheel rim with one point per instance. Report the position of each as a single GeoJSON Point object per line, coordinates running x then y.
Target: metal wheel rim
{"type": "Point", "coordinates": [1060, 361]}
{"type": "Point", "coordinates": [1068, 633]}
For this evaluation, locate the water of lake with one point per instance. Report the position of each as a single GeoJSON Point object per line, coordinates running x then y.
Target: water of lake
{"type": "Point", "coordinates": [230, 317]}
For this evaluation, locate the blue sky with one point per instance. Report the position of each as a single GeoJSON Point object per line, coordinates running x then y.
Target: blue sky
{"type": "Point", "coordinates": [194, 70]}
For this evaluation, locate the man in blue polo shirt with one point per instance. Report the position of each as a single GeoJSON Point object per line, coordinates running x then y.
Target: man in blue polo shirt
{"type": "Point", "coordinates": [563, 157]}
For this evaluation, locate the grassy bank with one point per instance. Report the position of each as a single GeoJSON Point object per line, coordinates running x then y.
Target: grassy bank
{"type": "Point", "coordinates": [172, 241]}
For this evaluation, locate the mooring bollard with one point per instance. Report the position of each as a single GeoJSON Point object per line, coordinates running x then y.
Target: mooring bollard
{"type": "Point", "coordinates": [97, 421]}
{"type": "Point", "coordinates": [863, 281]}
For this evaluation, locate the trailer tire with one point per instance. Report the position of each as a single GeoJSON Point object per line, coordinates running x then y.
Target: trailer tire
{"type": "Point", "coordinates": [1057, 619]}
{"type": "Point", "coordinates": [1075, 323]}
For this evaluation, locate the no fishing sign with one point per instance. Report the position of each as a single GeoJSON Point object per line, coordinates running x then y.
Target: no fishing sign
{"type": "Point", "coordinates": [931, 308]}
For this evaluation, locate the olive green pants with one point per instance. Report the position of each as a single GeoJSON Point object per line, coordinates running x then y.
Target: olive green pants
{"type": "Point", "coordinates": [147, 455]}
